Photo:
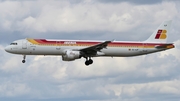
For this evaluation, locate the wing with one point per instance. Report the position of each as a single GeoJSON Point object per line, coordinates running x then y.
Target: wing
{"type": "Point", "coordinates": [92, 50]}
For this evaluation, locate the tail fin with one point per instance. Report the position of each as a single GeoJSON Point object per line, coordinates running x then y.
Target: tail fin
{"type": "Point", "coordinates": [160, 35]}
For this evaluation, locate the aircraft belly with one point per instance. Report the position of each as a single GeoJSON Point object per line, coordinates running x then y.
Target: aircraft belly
{"type": "Point", "coordinates": [50, 50]}
{"type": "Point", "coordinates": [118, 52]}
{"type": "Point", "coordinates": [42, 50]}
{"type": "Point", "coordinates": [126, 52]}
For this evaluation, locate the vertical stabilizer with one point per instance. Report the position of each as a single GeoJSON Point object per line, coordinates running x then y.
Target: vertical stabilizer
{"type": "Point", "coordinates": [160, 35]}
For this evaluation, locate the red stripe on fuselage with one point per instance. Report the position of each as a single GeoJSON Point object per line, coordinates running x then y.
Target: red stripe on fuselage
{"type": "Point", "coordinates": [44, 41]}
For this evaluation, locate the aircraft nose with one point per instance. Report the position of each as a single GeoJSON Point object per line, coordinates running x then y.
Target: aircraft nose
{"type": "Point", "coordinates": [7, 49]}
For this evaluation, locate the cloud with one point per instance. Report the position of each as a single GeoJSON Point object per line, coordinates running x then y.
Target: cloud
{"type": "Point", "coordinates": [64, 19]}
{"type": "Point", "coordinates": [87, 16]}
{"type": "Point", "coordinates": [10, 89]}
{"type": "Point", "coordinates": [149, 77]}
{"type": "Point", "coordinates": [146, 89]}
{"type": "Point", "coordinates": [138, 2]}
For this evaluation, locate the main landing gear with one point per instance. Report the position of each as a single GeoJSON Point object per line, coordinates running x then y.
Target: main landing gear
{"type": "Point", "coordinates": [88, 62]}
{"type": "Point", "coordinates": [24, 57]}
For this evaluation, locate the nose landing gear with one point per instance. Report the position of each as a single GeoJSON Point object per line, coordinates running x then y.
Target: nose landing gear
{"type": "Point", "coordinates": [88, 62]}
{"type": "Point", "coordinates": [24, 57]}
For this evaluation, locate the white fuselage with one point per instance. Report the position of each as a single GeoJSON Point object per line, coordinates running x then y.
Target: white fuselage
{"type": "Point", "coordinates": [25, 47]}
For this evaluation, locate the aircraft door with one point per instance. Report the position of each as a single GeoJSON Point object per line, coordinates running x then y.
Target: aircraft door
{"type": "Point", "coordinates": [58, 45]}
{"type": "Point", "coordinates": [24, 44]}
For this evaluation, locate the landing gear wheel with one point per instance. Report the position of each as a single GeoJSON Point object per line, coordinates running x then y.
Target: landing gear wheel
{"type": "Point", "coordinates": [90, 61]}
{"type": "Point", "coordinates": [23, 61]}
{"type": "Point", "coordinates": [24, 57]}
{"type": "Point", "coordinates": [87, 63]}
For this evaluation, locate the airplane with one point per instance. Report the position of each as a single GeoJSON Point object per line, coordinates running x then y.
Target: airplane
{"type": "Point", "coordinates": [71, 50]}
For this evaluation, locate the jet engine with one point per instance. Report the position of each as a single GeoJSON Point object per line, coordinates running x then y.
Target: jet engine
{"type": "Point", "coordinates": [71, 55]}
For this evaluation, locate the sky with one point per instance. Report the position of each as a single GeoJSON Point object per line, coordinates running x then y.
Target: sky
{"type": "Point", "coordinates": [152, 77]}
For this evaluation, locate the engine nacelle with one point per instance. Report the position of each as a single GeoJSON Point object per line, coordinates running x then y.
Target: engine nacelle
{"type": "Point", "coordinates": [71, 55]}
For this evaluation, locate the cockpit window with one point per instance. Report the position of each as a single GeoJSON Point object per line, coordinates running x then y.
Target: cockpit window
{"type": "Point", "coordinates": [13, 44]}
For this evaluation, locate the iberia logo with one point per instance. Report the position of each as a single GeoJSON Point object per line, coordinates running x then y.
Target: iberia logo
{"type": "Point", "coordinates": [161, 34]}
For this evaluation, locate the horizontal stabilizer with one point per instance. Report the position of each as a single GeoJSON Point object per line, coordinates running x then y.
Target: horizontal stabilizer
{"type": "Point", "coordinates": [164, 46]}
